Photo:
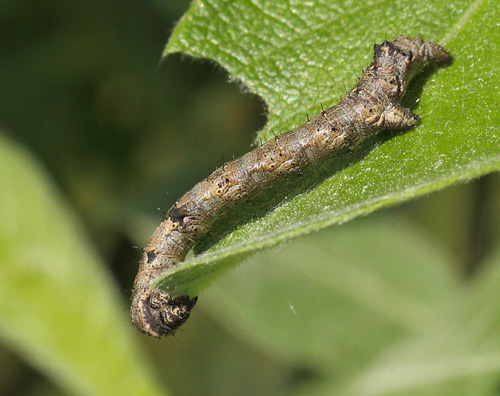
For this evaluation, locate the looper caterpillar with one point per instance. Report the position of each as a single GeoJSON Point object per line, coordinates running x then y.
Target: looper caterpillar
{"type": "Point", "coordinates": [370, 107]}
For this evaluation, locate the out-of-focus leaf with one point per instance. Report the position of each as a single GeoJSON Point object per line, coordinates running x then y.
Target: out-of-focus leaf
{"type": "Point", "coordinates": [59, 309]}
{"type": "Point", "coordinates": [458, 354]}
{"type": "Point", "coordinates": [336, 299]}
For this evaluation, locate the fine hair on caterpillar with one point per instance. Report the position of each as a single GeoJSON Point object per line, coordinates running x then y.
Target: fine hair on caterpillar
{"type": "Point", "coordinates": [372, 106]}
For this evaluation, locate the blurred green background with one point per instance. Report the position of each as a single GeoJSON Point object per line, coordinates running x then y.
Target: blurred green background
{"type": "Point", "coordinates": [121, 134]}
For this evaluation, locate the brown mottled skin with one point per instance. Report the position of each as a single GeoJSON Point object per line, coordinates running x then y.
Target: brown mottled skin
{"type": "Point", "coordinates": [370, 107]}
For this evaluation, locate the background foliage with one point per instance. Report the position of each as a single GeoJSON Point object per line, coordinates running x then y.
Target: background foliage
{"type": "Point", "coordinates": [96, 135]}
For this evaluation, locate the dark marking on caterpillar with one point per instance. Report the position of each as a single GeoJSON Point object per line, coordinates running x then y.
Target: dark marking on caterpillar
{"type": "Point", "coordinates": [151, 256]}
{"type": "Point", "coordinates": [370, 107]}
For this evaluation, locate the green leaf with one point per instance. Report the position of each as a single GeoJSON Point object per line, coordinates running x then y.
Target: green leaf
{"type": "Point", "coordinates": [296, 55]}
{"type": "Point", "coordinates": [313, 301]}
{"type": "Point", "coordinates": [457, 355]}
{"type": "Point", "coordinates": [384, 317]}
{"type": "Point", "coordinates": [58, 308]}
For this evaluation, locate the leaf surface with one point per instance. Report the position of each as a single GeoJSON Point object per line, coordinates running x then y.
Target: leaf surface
{"type": "Point", "coordinates": [297, 56]}
{"type": "Point", "coordinates": [58, 308]}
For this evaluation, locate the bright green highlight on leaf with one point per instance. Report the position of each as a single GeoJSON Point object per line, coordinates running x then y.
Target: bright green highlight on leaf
{"type": "Point", "coordinates": [297, 55]}
{"type": "Point", "coordinates": [60, 309]}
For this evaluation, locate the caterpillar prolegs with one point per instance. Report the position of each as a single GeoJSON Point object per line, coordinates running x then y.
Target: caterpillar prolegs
{"type": "Point", "coordinates": [370, 107]}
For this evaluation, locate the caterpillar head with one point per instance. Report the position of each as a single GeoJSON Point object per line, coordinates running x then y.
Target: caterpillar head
{"type": "Point", "coordinates": [157, 313]}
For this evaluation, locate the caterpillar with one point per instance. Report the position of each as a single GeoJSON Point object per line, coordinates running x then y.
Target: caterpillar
{"type": "Point", "coordinates": [365, 110]}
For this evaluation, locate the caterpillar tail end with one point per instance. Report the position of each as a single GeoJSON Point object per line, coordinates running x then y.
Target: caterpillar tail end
{"type": "Point", "coordinates": [158, 314]}
{"type": "Point", "coordinates": [437, 54]}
